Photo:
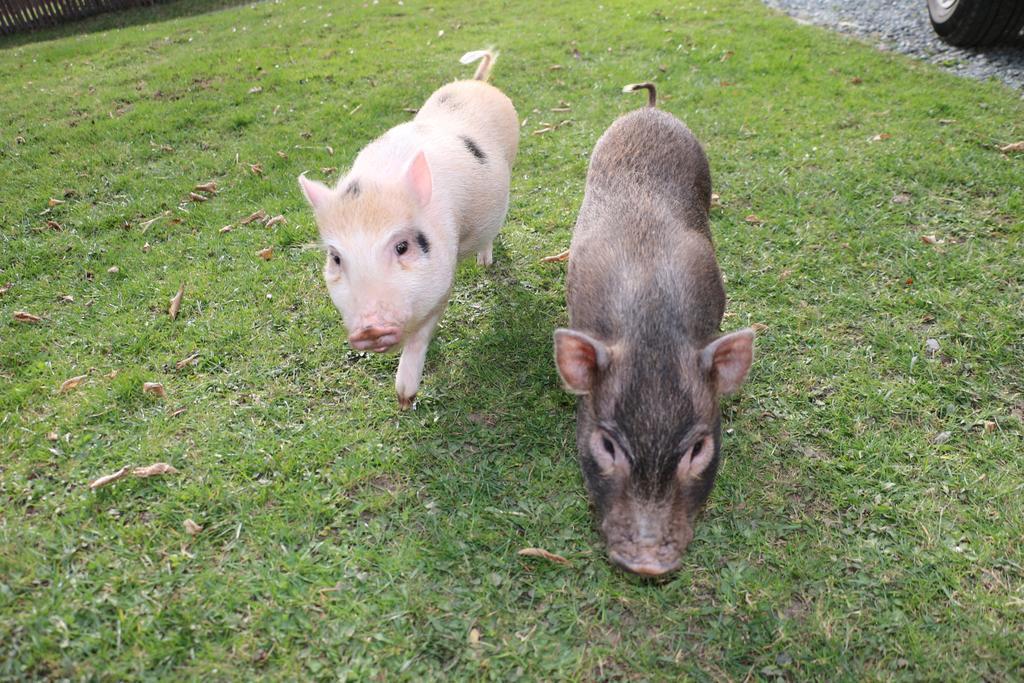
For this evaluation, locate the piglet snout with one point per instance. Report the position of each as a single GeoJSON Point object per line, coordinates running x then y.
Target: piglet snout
{"type": "Point", "coordinates": [647, 561]}
{"type": "Point", "coordinates": [375, 337]}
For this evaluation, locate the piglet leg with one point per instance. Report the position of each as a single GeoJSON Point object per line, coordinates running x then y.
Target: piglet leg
{"type": "Point", "coordinates": [484, 257]}
{"type": "Point", "coordinates": [410, 365]}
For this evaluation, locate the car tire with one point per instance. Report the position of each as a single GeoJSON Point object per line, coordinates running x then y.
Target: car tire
{"type": "Point", "coordinates": [976, 23]}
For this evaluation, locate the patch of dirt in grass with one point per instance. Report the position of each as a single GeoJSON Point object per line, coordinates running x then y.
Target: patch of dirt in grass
{"type": "Point", "coordinates": [387, 483]}
{"type": "Point", "coordinates": [612, 669]}
{"type": "Point", "coordinates": [797, 610]}
{"type": "Point", "coordinates": [812, 452]}
{"type": "Point", "coordinates": [121, 107]}
{"type": "Point", "coordinates": [483, 419]}
{"type": "Point", "coordinates": [202, 83]}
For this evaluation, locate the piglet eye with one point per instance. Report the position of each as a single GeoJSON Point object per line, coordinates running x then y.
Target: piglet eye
{"type": "Point", "coordinates": [697, 448]}
{"type": "Point", "coordinates": [608, 446]}
{"type": "Point", "coordinates": [336, 259]}
{"type": "Point", "coordinates": [401, 247]}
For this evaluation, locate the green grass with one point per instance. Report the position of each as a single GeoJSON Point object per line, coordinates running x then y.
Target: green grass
{"type": "Point", "coordinates": [346, 540]}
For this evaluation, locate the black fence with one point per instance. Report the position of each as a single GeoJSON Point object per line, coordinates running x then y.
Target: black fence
{"type": "Point", "coordinates": [17, 16]}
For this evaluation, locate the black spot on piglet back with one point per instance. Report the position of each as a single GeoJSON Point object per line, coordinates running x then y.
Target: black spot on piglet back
{"type": "Point", "coordinates": [353, 189]}
{"type": "Point", "coordinates": [474, 149]}
{"type": "Point", "coordinates": [421, 240]}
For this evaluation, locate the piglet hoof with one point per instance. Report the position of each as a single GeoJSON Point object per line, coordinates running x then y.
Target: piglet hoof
{"type": "Point", "coordinates": [405, 403]}
{"type": "Point", "coordinates": [564, 256]}
{"type": "Point", "coordinates": [484, 258]}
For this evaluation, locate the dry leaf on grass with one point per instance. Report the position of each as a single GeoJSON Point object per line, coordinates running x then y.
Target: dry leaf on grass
{"type": "Point", "coordinates": [716, 200]}
{"type": "Point", "coordinates": [110, 478]}
{"type": "Point", "coordinates": [197, 197]}
{"type": "Point", "coordinates": [226, 228]}
{"type": "Point", "coordinates": [282, 154]}
{"type": "Point", "coordinates": [880, 137]}
{"type": "Point", "coordinates": [1013, 147]}
{"type": "Point", "coordinates": [256, 169]}
{"type": "Point", "coordinates": [26, 317]}
{"type": "Point", "coordinates": [146, 247]}
{"type": "Point", "coordinates": [154, 470]}
{"type": "Point", "coordinates": [176, 413]}
{"type": "Point", "coordinates": [275, 220]}
{"type": "Point", "coordinates": [67, 299]}
{"type": "Point", "coordinates": [931, 239]}
{"type": "Point", "coordinates": [192, 528]}
{"type": "Point", "coordinates": [562, 256]}
{"type": "Point", "coordinates": [474, 636]}
{"type": "Point", "coordinates": [210, 187]}
{"type": "Point", "coordinates": [54, 225]}
{"type": "Point", "coordinates": [255, 90]}
{"type": "Point", "coordinates": [257, 216]}
{"type": "Point", "coordinates": [189, 360]}
{"type": "Point", "coordinates": [759, 327]}
{"type": "Point", "coordinates": [145, 224]}
{"type": "Point", "coordinates": [113, 270]}
{"type": "Point", "coordinates": [541, 131]}
{"type": "Point", "coordinates": [753, 219]}
{"type": "Point", "coordinates": [69, 384]}
{"type": "Point", "coordinates": [154, 388]}
{"type": "Point", "coordinates": [6, 288]}
{"type": "Point", "coordinates": [266, 254]}
{"type": "Point", "coordinates": [54, 202]}
{"type": "Point", "coordinates": [52, 436]}
{"type": "Point", "coordinates": [554, 67]}
{"type": "Point", "coordinates": [544, 554]}
{"type": "Point", "coordinates": [989, 425]}
{"type": "Point", "coordinates": [175, 306]}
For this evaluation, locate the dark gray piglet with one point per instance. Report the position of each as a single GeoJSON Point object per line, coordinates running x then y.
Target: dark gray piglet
{"type": "Point", "coordinates": [643, 350]}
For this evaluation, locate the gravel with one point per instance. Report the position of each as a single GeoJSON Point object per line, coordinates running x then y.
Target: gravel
{"type": "Point", "coordinates": [903, 26]}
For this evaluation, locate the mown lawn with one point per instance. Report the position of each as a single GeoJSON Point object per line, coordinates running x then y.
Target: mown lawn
{"type": "Point", "coordinates": [868, 517]}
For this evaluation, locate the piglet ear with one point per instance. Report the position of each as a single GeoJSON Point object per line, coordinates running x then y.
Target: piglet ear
{"type": "Point", "coordinates": [580, 360]}
{"type": "Point", "coordinates": [417, 177]}
{"type": "Point", "coordinates": [316, 193]}
{"type": "Point", "coordinates": [728, 359]}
